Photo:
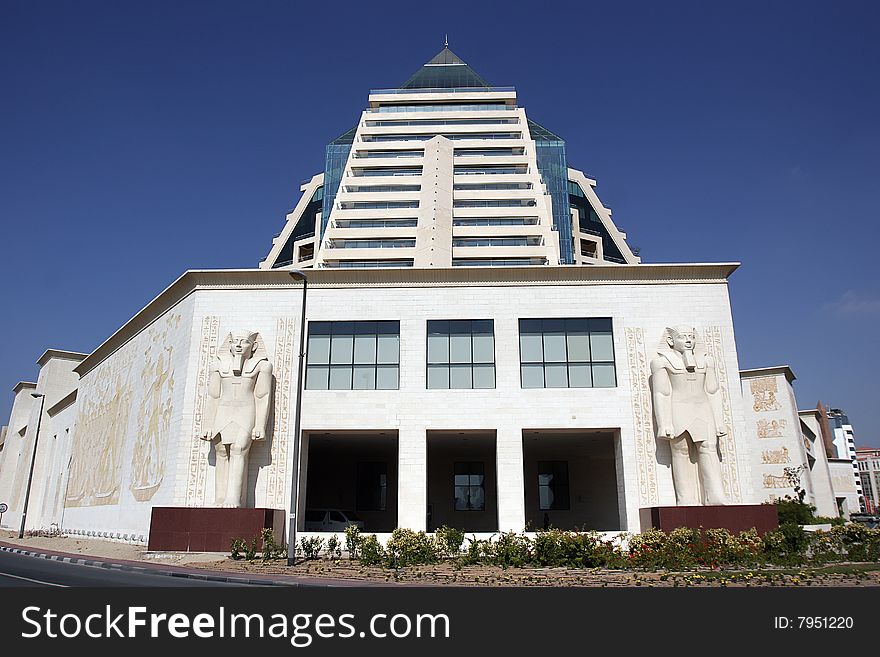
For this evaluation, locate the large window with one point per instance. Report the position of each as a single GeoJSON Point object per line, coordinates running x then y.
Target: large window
{"type": "Point", "coordinates": [461, 353]}
{"type": "Point", "coordinates": [553, 486]}
{"type": "Point", "coordinates": [470, 491]}
{"type": "Point", "coordinates": [353, 356]}
{"type": "Point", "coordinates": [566, 353]}
{"type": "Point", "coordinates": [372, 486]}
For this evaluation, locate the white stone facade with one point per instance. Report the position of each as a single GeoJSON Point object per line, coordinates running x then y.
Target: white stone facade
{"type": "Point", "coordinates": [138, 405]}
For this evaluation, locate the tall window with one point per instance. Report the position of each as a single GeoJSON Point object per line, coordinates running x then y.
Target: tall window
{"type": "Point", "coordinates": [372, 486]}
{"type": "Point", "coordinates": [553, 486]}
{"type": "Point", "coordinates": [567, 353]}
{"type": "Point", "coordinates": [353, 356]}
{"type": "Point", "coordinates": [470, 491]}
{"type": "Point", "coordinates": [461, 353]}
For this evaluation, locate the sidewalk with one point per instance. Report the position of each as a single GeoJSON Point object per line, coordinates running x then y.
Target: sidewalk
{"type": "Point", "coordinates": [121, 556]}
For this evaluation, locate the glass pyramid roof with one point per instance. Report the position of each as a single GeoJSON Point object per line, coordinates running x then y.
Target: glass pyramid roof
{"type": "Point", "coordinates": [445, 70]}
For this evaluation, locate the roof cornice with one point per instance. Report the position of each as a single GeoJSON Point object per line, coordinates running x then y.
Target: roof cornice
{"type": "Point", "coordinates": [768, 371]}
{"type": "Point", "coordinates": [21, 385]}
{"type": "Point", "coordinates": [190, 281]}
{"type": "Point", "coordinates": [63, 403]}
{"type": "Point", "coordinates": [49, 354]}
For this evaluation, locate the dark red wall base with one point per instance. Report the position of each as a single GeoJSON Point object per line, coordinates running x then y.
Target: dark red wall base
{"type": "Point", "coordinates": [190, 529]}
{"type": "Point", "coordinates": [735, 517]}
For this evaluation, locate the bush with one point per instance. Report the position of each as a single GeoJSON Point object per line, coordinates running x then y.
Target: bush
{"type": "Point", "coordinates": [353, 541]}
{"type": "Point", "coordinates": [448, 541]}
{"type": "Point", "coordinates": [238, 545]}
{"type": "Point", "coordinates": [311, 546]}
{"type": "Point", "coordinates": [334, 548]}
{"type": "Point", "coordinates": [511, 549]}
{"type": "Point", "coordinates": [409, 548]}
{"type": "Point", "coordinates": [370, 552]}
{"type": "Point", "coordinates": [271, 549]}
{"type": "Point", "coordinates": [793, 511]}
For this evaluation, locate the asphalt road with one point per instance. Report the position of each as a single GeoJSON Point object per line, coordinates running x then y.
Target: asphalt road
{"type": "Point", "coordinates": [20, 570]}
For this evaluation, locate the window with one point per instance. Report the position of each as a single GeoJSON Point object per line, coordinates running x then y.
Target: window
{"type": "Point", "coordinates": [470, 492]}
{"type": "Point", "coordinates": [461, 353]}
{"type": "Point", "coordinates": [353, 355]}
{"type": "Point", "coordinates": [566, 353]}
{"type": "Point", "coordinates": [553, 486]}
{"type": "Point", "coordinates": [372, 486]}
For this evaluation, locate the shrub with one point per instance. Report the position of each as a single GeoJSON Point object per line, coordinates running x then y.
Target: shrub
{"type": "Point", "coordinates": [858, 542]}
{"type": "Point", "coordinates": [353, 541]}
{"type": "Point", "coordinates": [271, 549]}
{"type": "Point", "coordinates": [510, 549]}
{"type": "Point", "coordinates": [334, 547]}
{"type": "Point", "coordinates": [310, 546]}
{"type": "Point", "coordinates": [408, 548]}
{"type": "Point", "coordinates": [448, 541]}
{"type": "Point", "coordinates": [787, 545]}
{"type": "Point", "coordinates": [250, 552]}
{"type": "Point", "coordinates": [370, 552]}
{"type": "Point", "coordinates": [794, 511]}
{"type": "Point", "coordinates": [238, 545]}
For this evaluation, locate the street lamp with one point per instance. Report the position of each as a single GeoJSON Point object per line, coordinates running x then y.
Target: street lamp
{"type": "Point", "coordinates": [294, 485]}
{"type": "Point", "coordinates": [27, 492]}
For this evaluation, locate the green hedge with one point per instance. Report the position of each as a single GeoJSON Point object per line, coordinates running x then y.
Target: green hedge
{"type": "Point", "coordinates": [680, 549]}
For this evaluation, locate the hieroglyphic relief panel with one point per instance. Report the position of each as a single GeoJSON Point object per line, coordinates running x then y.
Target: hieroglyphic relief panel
{"type": "Point", "coordinates": [776, 481]}
{"type": "Point", "coordinates": [154, 411]}
{"type": "Point", "coordinates": [775, 455]}
{"type": "Point", "coordinates": [727, 443]}
{"type": "Point", "coordinates": [197, 470]}
{"type": "Point", "coordinates": [105, 397]}
{"type": "Point", "coordinates": [771, 428]}
{"type": "Point", "coordinates": [764, 391]}
{"type": "Point", "coordinates": [277, 471]}
{"type": "Point", "coordinates": [639, 372]}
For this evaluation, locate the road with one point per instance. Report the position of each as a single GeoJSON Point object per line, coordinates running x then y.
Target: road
{"type": "Point", "coordinates": [19, 570]}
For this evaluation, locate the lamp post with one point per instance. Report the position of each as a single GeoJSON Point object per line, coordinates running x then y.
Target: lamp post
{"type": "Point", "coordinates": [297, 416]}
{"type": "Point", "coordinates": [27, 492]}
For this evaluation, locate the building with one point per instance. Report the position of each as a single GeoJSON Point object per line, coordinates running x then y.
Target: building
{"type": "Point", "coordinates": [447, 171]}
{"type": "Point", "coordinates": [845, 447]}
{"type": "Point", "coordinates": [868, 460]}
{"type": "Point", "coordinates": [479, 335]}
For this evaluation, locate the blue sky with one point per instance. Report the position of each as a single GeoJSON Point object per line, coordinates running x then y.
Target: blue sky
{"type": "Point", "coordinates": [138, 140]}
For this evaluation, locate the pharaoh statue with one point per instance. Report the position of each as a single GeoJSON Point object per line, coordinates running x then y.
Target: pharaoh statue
{"type": "Point", "coordinates": [237, 412]}
{"type": "Point", "coordinates": [687, 406]}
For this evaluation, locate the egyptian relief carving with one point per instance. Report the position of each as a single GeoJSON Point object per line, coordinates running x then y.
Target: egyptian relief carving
{"type": "Point", "coordinates": [99, 437]}
{"type": "Point", "coordinates": [726, 443]}
{"type": "Point", "coordinates": [687, 406]}
{"type": "Point", "coordinates": [197, 469]}
{"type": "Point", "coordinates": [276, 479]}
{"type": "Point", "coordinates": [776, 481]}
{"type": "Point", "coordinates": [771, 428]}
{"type": "Point", "coordinates": [764, 394]}
{"type": "Point", "coordinates": [154, 412]}
{"type": "Point", "coordinates": [775, 456]}
{"type": "Point", "coordinates": [639, 373]}
{"type": "Point", "coordinates": [237, 412]}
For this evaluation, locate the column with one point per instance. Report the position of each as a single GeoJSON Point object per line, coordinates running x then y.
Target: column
{"type": "Point", "coordinates": [511, 481]}
{"type": "Point", "coordinates": [412, 478]}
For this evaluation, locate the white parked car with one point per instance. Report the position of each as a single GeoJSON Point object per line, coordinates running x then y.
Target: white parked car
{"type": "Point", "coordinates": [331, 520]}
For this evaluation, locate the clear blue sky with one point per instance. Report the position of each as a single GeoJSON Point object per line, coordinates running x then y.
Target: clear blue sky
{"type": "Point", "coordinates": [139, 140]}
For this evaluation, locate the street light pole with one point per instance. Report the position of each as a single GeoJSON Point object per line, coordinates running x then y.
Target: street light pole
{"type": "Point", "coordinates": [27, 492]}
{"type": "Point", "coordinates": [297, 420]}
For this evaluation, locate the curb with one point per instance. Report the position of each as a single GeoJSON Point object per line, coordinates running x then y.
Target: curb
{"type": "Point", "coordinates": [147, 570]}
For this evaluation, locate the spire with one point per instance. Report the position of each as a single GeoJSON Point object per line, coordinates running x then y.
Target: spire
{"type": "Point", "coordinates": [445, 70]}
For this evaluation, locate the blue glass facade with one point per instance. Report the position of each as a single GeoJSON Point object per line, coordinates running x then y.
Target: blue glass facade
{"type": "Point", "coordinates": [338, 151]}
{"type": "Point", "coordinates": [553, 165]}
